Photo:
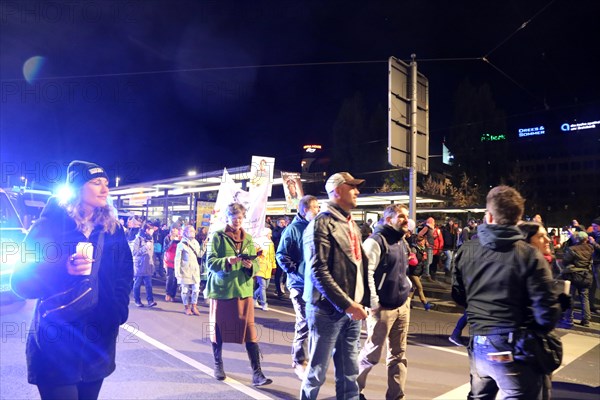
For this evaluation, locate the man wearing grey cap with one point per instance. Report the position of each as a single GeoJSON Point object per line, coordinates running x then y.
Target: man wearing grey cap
{"type": "Point", "coordinates": [335, 290]}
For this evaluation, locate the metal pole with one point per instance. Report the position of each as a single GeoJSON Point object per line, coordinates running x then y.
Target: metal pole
{"type": "Point", "coordinates": [191, 208]}
{"type": "Point", "coordinates": [166, 208]}
{"type": "Point", "coordinates": [412, 189]}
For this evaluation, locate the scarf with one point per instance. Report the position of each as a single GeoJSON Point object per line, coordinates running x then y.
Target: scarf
{"type": "Point", "coordinates": [236, 236]}
{"type": "Point", "coordinates": [354, 239]}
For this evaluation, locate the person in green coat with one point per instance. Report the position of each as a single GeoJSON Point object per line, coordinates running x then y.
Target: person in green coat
{"type": "Point", "coordinates": [232, 265]}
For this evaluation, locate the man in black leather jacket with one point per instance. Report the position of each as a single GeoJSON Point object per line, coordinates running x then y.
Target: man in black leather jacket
{"type": "Point", "coordinates": [335, 289]}
{"type": "Point", "coordinates": [506, 289]}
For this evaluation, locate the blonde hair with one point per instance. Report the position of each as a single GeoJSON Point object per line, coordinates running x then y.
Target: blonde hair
{"type": "Point", "coordinates": [104, 216]}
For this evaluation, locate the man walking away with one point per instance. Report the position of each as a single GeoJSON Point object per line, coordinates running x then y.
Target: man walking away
{"type": "Point", "coordinates": [506, 288]}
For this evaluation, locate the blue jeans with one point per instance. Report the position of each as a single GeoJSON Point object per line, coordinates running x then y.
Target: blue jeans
{"type": "Point", "coordinates": [429, 261]}
{"type": "Point", "coordinates": [331, 331]}
{"type": "Point", "coordinates": [260, 293]}
{"type": "Point", "coordinates": [448, 262]}
{"type": "Point", "coordinates": [300, 342]}
{"type": "Point", "coordinates": [510, 380]}
{"type": "Point", "coordinates": [137, 284]}
{"type": "Point", "coordinates": [584, 298]}
{"type": "Point", "coordinates": [189, 293]}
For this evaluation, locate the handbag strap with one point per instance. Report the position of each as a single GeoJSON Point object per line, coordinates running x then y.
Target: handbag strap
{"type": "Point", "coordinates": [99, 251]}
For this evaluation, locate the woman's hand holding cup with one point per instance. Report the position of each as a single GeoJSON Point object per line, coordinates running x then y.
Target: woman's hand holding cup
{"type": "Point", "coordinates": [80, 263]}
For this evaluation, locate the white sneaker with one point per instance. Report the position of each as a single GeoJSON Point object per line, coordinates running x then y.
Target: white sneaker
{"type": "Point", "coordinates": [256, 303]}
{"type": "Point", "coordinates": [265, 307]}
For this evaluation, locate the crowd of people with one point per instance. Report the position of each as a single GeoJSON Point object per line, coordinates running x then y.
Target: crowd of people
{"type": "Point", "coordinates": [504, 272]}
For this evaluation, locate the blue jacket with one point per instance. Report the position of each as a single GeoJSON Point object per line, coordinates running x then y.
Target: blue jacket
{"type": "Point", "coordinates": [290, 254]}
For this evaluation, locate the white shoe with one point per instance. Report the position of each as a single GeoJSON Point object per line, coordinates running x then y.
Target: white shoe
{"type": "Point", "coordinates": [256, 303]}
{"type": "Point", "coordinates": [265, 307]}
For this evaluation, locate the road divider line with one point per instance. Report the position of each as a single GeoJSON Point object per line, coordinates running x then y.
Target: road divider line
{"type": "Point", "coordinates": [240, 387]}
{"type": "Point", "coordinates": [281, 312]}
{"type": "Point", "coordinates": [574, 346]}
{"type": "Point", "coordinates": [447, 350]}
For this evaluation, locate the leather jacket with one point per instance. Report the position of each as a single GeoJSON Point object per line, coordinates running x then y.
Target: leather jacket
{"type": "Point", "coordinates": [330, 269]}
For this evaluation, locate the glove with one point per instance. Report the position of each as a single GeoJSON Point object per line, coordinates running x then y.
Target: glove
{"type": "Point", "coordinates": [566, 301]}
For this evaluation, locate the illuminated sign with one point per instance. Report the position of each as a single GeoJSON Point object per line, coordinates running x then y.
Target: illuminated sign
{"type": "Point", "coordinates": [536, 130]}
{"type": "Point", "coordinates": [487, 137]}
{"type": "Point", "coordinates": [579, 127]}
{"type": "Point", "coordinates": [311, 148]}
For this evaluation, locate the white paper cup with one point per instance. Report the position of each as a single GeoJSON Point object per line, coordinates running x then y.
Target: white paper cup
{"type": "Point", "coordinates": [567, 287]}
{"type": "Point", "coordinates": [86, 249]}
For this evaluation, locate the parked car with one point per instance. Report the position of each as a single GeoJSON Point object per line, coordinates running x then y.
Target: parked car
{"type": "Point", "coordinates": [29, 203]}
{"type": "Point", "coordinates": [11, 236]}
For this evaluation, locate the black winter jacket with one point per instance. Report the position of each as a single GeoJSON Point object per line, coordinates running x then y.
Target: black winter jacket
{"type": "Point", "coordinates": [504, 283]}
{"type": "Point", "coordinates": [68, 353]}
{"type": "Point", "coordinates": [330, 270]}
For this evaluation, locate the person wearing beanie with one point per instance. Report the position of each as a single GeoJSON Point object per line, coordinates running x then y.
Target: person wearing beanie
{"type": "Point", "coordinates": [81, 172]}
{"type": "Point", "coordinates": [72, 363]}
{"type": "Point", "coordinates": [577, 262]}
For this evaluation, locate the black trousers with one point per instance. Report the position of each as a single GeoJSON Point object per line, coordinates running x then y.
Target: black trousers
{"type": "Point", "coordinates": [80, 391]}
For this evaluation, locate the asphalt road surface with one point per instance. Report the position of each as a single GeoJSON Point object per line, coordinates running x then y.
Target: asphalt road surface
{"type": "Point", "coordinates": [164, 354]}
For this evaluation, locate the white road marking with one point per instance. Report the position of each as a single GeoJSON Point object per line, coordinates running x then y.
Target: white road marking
{"type": "Point", "coordinates": [282, 312]}
{"type": "Point", "coordinates": [240, 387]}
{"type": "Point", "coordinates": [447, 350]}
{"type": "Point", "coordinates": [577, 346]}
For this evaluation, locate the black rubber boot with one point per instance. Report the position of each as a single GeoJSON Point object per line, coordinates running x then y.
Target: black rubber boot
{"type": "Point", "coordinates": [218, 354]}
{"type": "Point", "coordinates": [258, 378]}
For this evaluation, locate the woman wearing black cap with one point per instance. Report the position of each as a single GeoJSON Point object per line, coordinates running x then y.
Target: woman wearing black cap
{"type": "Point", "coordinates": [68, 356]}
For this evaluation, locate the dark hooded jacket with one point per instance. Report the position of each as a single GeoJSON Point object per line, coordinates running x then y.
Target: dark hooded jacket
{"type": "Point", "coordinates": [62, 353]}
{"type": "Point", "coordinates": [503, 283]}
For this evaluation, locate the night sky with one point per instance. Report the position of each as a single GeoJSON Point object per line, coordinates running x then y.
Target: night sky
{"type": "Point", "coordinates": [152, 89]}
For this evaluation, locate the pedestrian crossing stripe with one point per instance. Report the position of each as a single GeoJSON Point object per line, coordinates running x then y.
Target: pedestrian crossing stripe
{"type": "Point", "coordinates": [577, 346]}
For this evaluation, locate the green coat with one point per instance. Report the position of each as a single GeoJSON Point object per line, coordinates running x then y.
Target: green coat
{"type": "Point", "coordinates": [224, 281]}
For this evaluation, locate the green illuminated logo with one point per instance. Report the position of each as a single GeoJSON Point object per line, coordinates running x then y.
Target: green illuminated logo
{"type": "Point", "coordinates": [488, 137]}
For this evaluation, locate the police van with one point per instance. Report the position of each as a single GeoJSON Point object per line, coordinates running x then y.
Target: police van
{"type": "Point", "coordinates": [11, 235]}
